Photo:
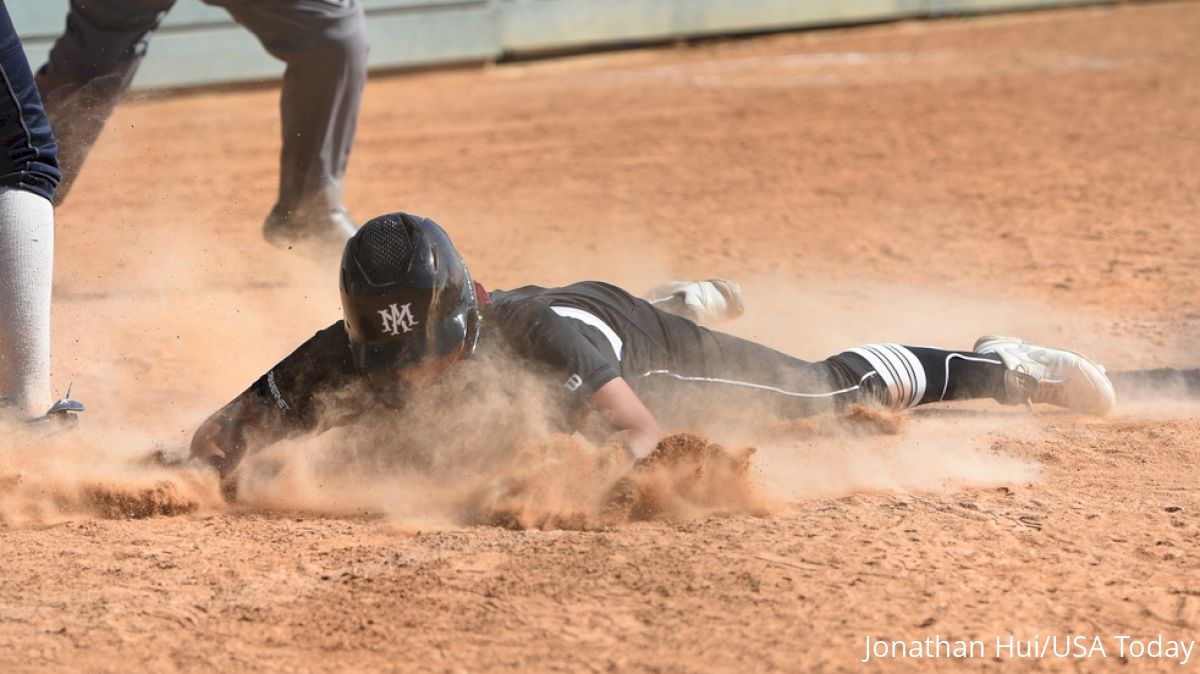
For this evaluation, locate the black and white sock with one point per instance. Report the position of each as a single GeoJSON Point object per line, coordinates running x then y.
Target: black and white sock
{"type": "Point", "coordinates": [899, 377]}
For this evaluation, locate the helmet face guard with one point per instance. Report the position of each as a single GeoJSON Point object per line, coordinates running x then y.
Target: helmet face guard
{"type": "Point", "coordinates": [407, 297]}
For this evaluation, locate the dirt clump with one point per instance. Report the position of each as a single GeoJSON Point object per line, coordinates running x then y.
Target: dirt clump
{"type": "Point", "coordinates": [685, 476]}
{"type": "Point", "coordinates": [561, 485]}
{"type": "Point", "coordinates": [118, 501]}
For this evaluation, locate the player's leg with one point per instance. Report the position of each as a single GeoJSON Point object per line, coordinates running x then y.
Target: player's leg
{"type": "Point", "coordinates": [1004, 369]}
{"type": "Point", "coordinates": [1033, 373]}
{"type": "Point", "coordinates": [720, 374]}
{"type": "Point", "coordinates": [899, 377]}
{"type": "Point", "coordinates": [28, 176]}
{"type": "Point", "coordinates": [89, 67]}
{"type": "Point", "coordinates": [325, 47]}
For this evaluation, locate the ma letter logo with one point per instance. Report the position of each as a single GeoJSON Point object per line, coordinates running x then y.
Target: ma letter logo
{"type": "Point", "coordinates": [397, 319]}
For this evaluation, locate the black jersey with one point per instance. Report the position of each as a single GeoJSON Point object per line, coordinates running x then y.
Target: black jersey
{"type": "Point", "coordinates": [575, 338]}
{"type": "Point", "coordinates": [578, 337]}
{"type": "Point", "coordinates": [593, 332]}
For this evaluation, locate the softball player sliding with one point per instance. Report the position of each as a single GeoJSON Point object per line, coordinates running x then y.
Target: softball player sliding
{"type": "Point", "coordinates": [412, 313]}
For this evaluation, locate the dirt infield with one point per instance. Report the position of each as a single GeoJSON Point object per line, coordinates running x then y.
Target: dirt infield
{"type": "Point", "coordinates": [1036, 174]}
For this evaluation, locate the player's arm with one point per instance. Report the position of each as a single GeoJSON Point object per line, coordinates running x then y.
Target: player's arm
{"type": "Point", "coordinates": [598, 402]}
{"type": "Point", "coordinates": [626, 417]}
{"type": "Point", "coordinates": [286, 401]}
{"type": "Point", "coordinates": [224, 438]}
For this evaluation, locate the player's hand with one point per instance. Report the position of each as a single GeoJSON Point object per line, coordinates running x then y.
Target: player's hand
{"type": "Point", "coordinates": [221, 439]}
{"type": "Point", "coordinates": [638, 444]}
{"type": "Point", "coordinates": [206, 445]}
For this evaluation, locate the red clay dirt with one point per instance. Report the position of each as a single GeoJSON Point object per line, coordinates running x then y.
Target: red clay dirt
{"type": "Point", "coordinates": [926, 182]}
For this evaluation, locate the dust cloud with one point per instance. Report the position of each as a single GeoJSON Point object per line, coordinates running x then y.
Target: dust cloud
{"type": "Point", "coordinates": [484, 447]}
{"type": "Point", "coordinates": [47, 478]}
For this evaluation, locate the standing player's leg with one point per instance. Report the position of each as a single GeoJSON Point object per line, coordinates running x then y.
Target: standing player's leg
{"type": "Point", "coordinates": [28, 177]}
{"type": "Point", "coordinates": [325, 47]}
{"type": "Point", "coordinates": [89, 68]}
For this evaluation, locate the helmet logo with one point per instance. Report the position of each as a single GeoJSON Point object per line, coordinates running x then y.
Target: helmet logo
{"type": "Point", "coordinates": [397, 319]}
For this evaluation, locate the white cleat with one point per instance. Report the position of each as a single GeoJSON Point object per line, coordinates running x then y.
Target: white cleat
{"type": "Point", "coordinates": [715, 300]}
{"type": "Point", "coordinates": [1055, 376]}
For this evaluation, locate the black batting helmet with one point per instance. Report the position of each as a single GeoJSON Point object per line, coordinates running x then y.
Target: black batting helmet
{"type": "Point", "coordinates": [407, 296]}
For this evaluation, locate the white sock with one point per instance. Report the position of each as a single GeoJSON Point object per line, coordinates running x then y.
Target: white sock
{"type": "Point", "coordinates": [26, 275]}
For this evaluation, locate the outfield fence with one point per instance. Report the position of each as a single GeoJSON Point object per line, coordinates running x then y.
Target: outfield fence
{"type": "Point", "coordinates": [199, 44]}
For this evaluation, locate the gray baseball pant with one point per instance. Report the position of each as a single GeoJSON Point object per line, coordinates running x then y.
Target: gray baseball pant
{"type": "Point", "coordinates": [323, 43]}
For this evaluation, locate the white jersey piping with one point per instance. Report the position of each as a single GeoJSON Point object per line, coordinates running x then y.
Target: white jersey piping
{"type": "Point", "coordinates": [588, 318]}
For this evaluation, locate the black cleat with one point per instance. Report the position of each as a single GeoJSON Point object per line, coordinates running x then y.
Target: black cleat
{"type": "Point", "coordinates": [63, 414]}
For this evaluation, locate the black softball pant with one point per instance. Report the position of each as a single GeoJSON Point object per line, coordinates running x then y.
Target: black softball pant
{"type": "Point", "coordinates": [715, 376]}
